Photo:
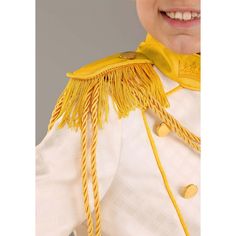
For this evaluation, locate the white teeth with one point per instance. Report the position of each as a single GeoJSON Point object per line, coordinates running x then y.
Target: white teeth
{"type": "Point", "coordinates": [171, 14]}
{"type": "Point", "coordinates": [178, 15]}
{"type": "Point", "coordinates": [183, 15]}
{"type": "Point", "coordinates": [187, 16]}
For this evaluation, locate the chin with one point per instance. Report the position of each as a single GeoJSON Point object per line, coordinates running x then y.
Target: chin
{"type": "Point", "coordinates": [181, 44]}
{"type": "Point", "coordinates": [184, 45]}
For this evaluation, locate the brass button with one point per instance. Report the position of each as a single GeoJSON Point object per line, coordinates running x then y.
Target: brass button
{"type": "Point", "coordinates": [190, 191]}
{"type": "Point", "coordinates": [128, 55]}
{"type": "Point", "coordinates": [162, 130]}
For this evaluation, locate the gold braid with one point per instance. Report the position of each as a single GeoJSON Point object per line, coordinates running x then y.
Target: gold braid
{"type": "Point", "coordinates": [94, 117]}
{"type": "Point", "coordinates": [84, 164]}
{"type": "Point", "coordinates": [175, 126]}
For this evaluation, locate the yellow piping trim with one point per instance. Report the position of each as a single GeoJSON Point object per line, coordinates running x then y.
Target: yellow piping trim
{"type": "Point", "coordinates": [164, 178]}
{"type": "Point", "coordinates": [179, 87]}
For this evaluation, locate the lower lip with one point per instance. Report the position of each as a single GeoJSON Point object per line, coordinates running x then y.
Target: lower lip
{"type": "Point", "coordinates": [181, 23]}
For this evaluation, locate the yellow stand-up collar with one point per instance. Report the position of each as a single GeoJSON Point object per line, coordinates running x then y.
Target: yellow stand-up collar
{"type": "Point", "coordinates": [182, 68]}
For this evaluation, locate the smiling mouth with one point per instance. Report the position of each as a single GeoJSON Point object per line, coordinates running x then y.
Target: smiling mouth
{"type": "Point", "coordinates": [182, 15]}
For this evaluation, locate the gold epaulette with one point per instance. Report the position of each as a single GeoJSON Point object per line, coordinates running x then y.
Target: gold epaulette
{"type": "Point", "coordinates": [128, 77]}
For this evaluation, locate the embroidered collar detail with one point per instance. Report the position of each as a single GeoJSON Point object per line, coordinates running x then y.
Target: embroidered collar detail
{"type": "Point", "coordinates": [182, 68]}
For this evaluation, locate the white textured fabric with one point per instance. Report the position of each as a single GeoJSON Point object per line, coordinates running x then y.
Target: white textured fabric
{"type": "Point", "coordinates": [134, 201]}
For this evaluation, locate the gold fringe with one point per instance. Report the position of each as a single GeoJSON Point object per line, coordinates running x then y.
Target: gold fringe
{"type": "Point", "coordinates": [120, 84]}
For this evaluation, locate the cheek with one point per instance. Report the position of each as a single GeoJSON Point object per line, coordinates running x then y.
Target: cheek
{"type": "Point", "coordinates": [147, 11]}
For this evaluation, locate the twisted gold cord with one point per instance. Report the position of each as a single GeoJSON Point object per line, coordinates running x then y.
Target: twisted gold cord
{"type": "Point", "coordinates": [84, 164]}
{"type": "Point", "coordinates": [94, 118]}
{"type": "Point", "coordinates": [175, 126]}
{"type": "Point", "coordinates": [187, 136]}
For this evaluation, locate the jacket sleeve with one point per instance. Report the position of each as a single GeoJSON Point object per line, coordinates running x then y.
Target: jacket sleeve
{"type": "Point", "coordinates": [59, 198]}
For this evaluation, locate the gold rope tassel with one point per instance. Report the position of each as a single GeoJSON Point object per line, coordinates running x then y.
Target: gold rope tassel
{"type": "Point", "coordinates": [94, 118]}
{"type": "Point", "coordinates": [84, 164]}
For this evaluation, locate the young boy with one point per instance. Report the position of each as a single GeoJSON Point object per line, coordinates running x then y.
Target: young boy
{"type": "Point", "coordinates": [121, 156]}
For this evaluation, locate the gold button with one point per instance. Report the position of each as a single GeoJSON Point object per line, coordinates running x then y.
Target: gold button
{"type": "Point", "coordinates": [162, 130]}
{"type": "Point", "coordinates": [128, 55]}
{"type": "Point", "coordinates": [190, 191]}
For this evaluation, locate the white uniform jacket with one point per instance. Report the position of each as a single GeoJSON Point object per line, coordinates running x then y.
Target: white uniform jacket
{"type": "Point", "coordinates": [133, 197]}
